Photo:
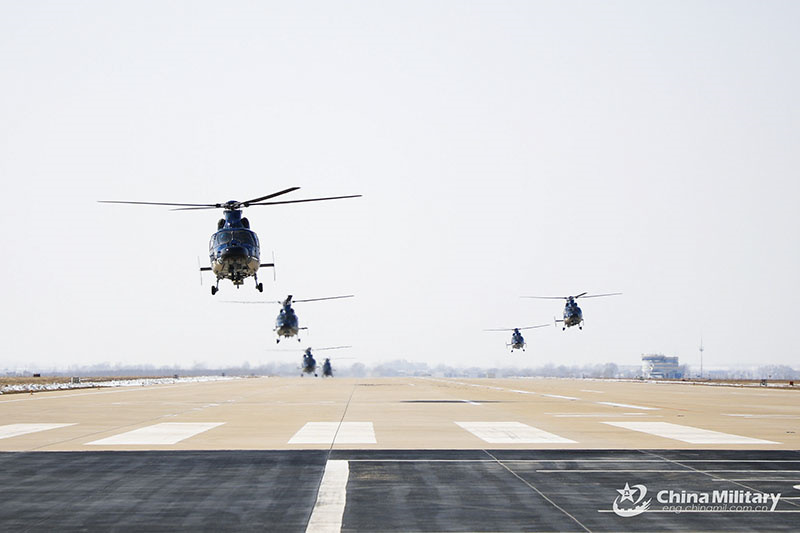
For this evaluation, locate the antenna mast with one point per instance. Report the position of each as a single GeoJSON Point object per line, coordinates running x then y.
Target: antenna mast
{"type": "Point", "coordinates": [701, 356]}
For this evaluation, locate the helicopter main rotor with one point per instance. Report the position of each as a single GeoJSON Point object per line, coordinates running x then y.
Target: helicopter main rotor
{"type": "Point", "coordinates": [233, 205]}
{"type": "Point", "coordinates": [520, 329]}
{"type": "Point", "coordinates": [581, 295]}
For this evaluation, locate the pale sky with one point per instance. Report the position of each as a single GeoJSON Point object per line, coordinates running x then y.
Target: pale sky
{"type": "Point", "coordinates": [503, 149]}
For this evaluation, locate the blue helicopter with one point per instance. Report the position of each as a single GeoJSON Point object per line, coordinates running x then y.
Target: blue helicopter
{"type": "Point", "coordinates": [234, 249]}
{"type": "Point", "coordinates": [517, 340]}
{"type": "Point", "coordinates": [327, 370]}
{"type": "Point", "coordinates": [310, 364]}
{"type": "Point", "coordinates": [287, 324]}
{"type": "Point", "coordinates": [573, 316]}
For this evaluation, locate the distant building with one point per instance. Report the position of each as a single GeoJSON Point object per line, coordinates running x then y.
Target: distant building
{"type": "Point", "coordinates": [656, 366]}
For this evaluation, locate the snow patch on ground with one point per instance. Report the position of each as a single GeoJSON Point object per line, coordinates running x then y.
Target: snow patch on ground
{"type": "Point", "coordinates": [37, 387]}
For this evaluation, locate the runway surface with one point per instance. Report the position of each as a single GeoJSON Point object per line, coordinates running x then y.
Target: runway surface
{"type": "Point", "coordinates": [410, 454]}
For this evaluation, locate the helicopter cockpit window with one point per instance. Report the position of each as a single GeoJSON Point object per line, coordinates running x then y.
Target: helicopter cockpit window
{"type": "Point", "coordinates": [224, 237]}
{"type": "Point", "coordinates": [244, 237]}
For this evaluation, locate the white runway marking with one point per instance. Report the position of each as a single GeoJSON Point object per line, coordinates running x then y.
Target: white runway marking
{"type": "Point", "coordinates": [324, 433]}
{"type": "Point", "coordinates": [560, 397]}
{"type": "Point", "coordinates": [628, 406]}
{"type": "Point", "coordinates": [591, 390]}
{"type": "Point", "coordinates": [511, 433]}
{"type": "Point", "coordinates": [469, 402]}
{"type": "Point", "coordinates": [165, 433]}
{"type": "Point", "coordinates": [596, 415]}
{"type": "Point", "coordinates": [331, 499]}
{"type": "Point", "coordinates": [15, 430]}
{"type": "Point", "coordinates": [688, 434]}
{"type": "Point", "coordinates": [781, 417]}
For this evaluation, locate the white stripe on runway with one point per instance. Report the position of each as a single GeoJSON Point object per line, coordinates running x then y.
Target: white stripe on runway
{"type": "Point", "coordinates": [324, 433]}
{"type": "Point", "coordinates": [597, 415]}
{"type": "Point", "coordinates": [688, 434]}
{"type": "Point", "coordinates": [15, 430]}
{"type": "Point", "coordinates": [331, 499]}
{"type": "Point", "coordinates": [628, 406]}
{"type": "Point", "coordinates": [166, 433]}
{"type": "Point", "coordinates": [780, 417]}
{"type": "Point", "coordinates": [511, 433]}
{"type": "Point", "coordinates": [560, 397]}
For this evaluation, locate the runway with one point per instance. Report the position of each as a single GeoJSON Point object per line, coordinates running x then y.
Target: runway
{"type": "Point", "coordinates": [405, 454]}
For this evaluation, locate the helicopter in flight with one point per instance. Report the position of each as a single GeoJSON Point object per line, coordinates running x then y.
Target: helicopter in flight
{"type": "Point", "coordinates": [327, 371]}
{"type": "Point", "coordinates": [287, 324]}
{"type": "Point", "coordinates": [573, 316]}
{"type": "Point", "coordinates": [310, 364]}
{"type": "Point", "coordinates": [234, 248]}
{"type": "Point", "coordinates": [517, 340]}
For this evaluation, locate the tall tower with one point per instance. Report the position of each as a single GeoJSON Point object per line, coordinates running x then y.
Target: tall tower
{"type": "Point", "coordinates": [701, 356]}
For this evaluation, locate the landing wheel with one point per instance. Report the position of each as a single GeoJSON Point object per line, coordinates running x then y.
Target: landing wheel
{"type": "Point", "coordinates": [580, 328]}
{"type": "Point", "coordinates": [214, 291]}
{"type": "Point", "coordinates": [564, 328]}
{"type": "Point", "coordinates": [277, 341]}
{"type": "Point", "coordinates": [260, 287]}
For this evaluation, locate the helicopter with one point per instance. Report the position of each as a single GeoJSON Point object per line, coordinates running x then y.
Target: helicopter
{"type": "Point", "coordinates": [310, 364]}
{"type": "Point", "coordinates": [573, 316]}
{"type": "Point", "coordinates": [517, 340]}
{"type": "Point", "coordinates": [287, 324]}
{"type": "Point", "coordinates": [234, 249]}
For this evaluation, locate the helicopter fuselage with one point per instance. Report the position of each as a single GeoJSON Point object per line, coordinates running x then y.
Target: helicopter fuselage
{"type": "Point", "coordinates": [309, 363]}
{"type": "Point", "coordinates": [327, 371]}
{"type": "Point", "coordinates": [287, 324]}
{"type": "Point", "coordinates": [234, 250]}
{"type": "Point", "coordinates": [573, 316]}
{"type": "Point", "coordinates": [517, 341]}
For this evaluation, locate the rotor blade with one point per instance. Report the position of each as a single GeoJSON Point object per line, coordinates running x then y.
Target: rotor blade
{"type": "Point", "coordinates": [598, 295]}
{"type": "Point", "coordinates": [306, 200]}
{"type": "Point", "coordinates": [327, 298]}
{"type": "Point", "coordinates": [546, 297]}
{"type": "Point", "coordinates": [330, 348]}
{"type": "Point", "coordinates": [500, 329]}
{"type": "Point", "coordinates": [534, 327]}
{"type": "Point", "coordinates": [216, 206]}
{"type": "Point", "coordinates": [267, 197]}
{"type": "Point", "coordinates": [195, 206]}
{"type": "Point", "coordinates": [243, 302]}
{"type": "Point", "coordinates": [581, 294]}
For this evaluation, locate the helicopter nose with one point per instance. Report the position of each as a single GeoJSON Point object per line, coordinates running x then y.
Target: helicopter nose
{"type": "Point", "coordinates": [234, 252]}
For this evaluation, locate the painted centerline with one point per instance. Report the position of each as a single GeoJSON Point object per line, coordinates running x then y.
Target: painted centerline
{"type": "Point", "coordinates": [511, 433]}
{"type": "Point", "coordinates": [165, 433]}
{"type": "Point", "coordinates": [15, 430]}
{"type": "Point", "coordinates": [325, 432]}
{"type": "Point", "coordinates": [331, 499]}
{"type": "Point", "coordinates": [688, 434]}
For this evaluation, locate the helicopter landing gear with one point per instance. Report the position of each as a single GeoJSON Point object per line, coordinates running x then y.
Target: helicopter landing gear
{"type": "Point", "coordinates": [215, 288]}
{"type": "Point", "coordinates": [259, 286]}
{"type": "Point", "coordinates": [564, 328]}
{"type": "Point", "coordinates": [277, 340]}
